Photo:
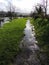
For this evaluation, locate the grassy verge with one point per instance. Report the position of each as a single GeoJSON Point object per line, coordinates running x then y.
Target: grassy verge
{"type": "Point", "coordinates": [42, 33]}
{"type": "Point", "coordinates": [10, 36]}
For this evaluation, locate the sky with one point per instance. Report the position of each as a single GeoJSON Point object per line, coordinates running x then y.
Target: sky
{"type": "Point", "coordinates": [25, 6]}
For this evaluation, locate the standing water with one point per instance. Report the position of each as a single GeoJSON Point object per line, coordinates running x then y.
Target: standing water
{"type": "Point", "coordinates": [29, 53]}
{"type": "Point", "coordinates": [3, 21]}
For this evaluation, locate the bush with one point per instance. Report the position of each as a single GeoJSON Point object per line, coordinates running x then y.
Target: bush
{"type": "Point", "coordinates": [42, 32]}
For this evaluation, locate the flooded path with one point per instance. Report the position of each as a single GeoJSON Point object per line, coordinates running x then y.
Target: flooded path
{"type": "Point", "coordinates": [29, 49]}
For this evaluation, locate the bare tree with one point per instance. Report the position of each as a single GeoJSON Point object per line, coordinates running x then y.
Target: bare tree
{"type": "Point", "coordinates": [11, 10]}
{"type": "Point", "coordinates": [45, 4]}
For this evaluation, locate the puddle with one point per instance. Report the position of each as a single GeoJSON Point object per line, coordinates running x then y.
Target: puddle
{"type": "Point", "coordinates": [29, 39]}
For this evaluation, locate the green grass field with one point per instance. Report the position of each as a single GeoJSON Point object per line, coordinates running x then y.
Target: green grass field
{"type": "Point", "coordinates": [10, 36]}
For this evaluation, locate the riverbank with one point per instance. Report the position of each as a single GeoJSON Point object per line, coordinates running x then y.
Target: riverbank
{"type": "Point", "coordinates": [10, 36]}
{"type": "Point", "coordinates": [42, 35]}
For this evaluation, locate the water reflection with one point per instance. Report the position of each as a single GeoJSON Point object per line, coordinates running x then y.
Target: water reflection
{"type": "Point", "coordinates": [28, 55]}
{"type": "Point", "coordinates": [30, 37]}
{"type": "Point", "coordinates": [3, 21]}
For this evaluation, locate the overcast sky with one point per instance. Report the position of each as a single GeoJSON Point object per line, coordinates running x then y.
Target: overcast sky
{"type": "Point", "coordinates": [25, 5]}
{"type": "Point", "coordinates": [21, 5]}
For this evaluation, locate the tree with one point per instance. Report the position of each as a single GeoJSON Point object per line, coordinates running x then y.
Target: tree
{"type": "Point", "coordinates": [45, 5]}
{"type": "Point", "coordinates": [38, 12]}
{"type": "Point", "coordinates": [11, 10]}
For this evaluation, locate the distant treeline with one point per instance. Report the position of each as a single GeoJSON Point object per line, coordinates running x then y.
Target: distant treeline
{"type": "Point", "coordinates": [7, 14]}
{"type": "Point", "coordinates": [11, 14]}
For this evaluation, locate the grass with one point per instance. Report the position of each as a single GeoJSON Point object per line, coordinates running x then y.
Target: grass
{"type": "Point", "coordinates": [42, 35]}
{"type": "Point", "coordinates": [10, 36]}
{"type": "Point", "coordinates": [42, 32]}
